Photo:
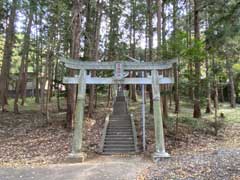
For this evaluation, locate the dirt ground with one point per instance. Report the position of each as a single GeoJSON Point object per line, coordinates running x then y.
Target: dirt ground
{"type": "Point", "coordinates": [99, 168]}
{"type": "Point", "coordinates": [31, 148]}
{"type": "Point", "coordinates": [27, 139]}
{"type": "Point", "coordinates": [205, 157]}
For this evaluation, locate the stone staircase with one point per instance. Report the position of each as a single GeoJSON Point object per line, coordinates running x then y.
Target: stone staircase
{"type": "Point", "coordinates": [119, 136]}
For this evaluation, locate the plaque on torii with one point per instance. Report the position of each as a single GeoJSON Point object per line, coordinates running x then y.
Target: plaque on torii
{"type": "Point", "coordinates": [119, 68]}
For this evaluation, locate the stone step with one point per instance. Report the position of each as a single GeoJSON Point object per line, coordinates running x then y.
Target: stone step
{"type": "Point", "coordinates": [125, 117]}
{"type": "Point", "coordinates": [119, 123]}
{"type": "Point", "coordinates": [119, 105]}
{"type": "Point", "coordinates": [115, 129]}
{"type": "Point", "coordinates": [119, 130]}
{"type": "Point", "coordinates": [126, 142]}
{"type": "Point", "coordinates": [119, 126]}
{"type": "Point", "coordinates": [118, 146]}
{"type": "Point", "coordinates": [120, 98]}
{"type": "Point", "coordinates": [117, 138]}
{"type": "Point", "coordinates": [121, 115]}
{"type": "Point", "coordinates": [120, 120]}
{"type": "Point", "coordinates": [121, 111]}
{"type": "Point", "coordinates": [120, 133]}
{"type": "Point", "coordinates": [119, 150]}
{"type": "Point", "coordinates": [119, 153]}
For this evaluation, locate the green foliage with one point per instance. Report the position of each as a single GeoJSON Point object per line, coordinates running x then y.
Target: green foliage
{"type": "Point", "coordinates": [196, 52]}
{"type": "Point", "coordinates": [1, 48]}
{"type": "Point", "coordinates": [177, 44]}
{"type": "Point", "coordinates": [236, 68]}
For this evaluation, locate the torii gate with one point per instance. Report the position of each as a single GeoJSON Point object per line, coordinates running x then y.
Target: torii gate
{"type": "Point", "coordinates": [119, 67]}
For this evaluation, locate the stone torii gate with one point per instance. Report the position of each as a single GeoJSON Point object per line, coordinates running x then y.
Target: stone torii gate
{"type": "Point", "coordinates": [77, 155]}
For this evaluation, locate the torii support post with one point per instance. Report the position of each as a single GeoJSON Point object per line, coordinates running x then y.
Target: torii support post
{"type": "Point", "coordinates": [158, 122]}
{"type": "Point", "coordinates": [77, 155]}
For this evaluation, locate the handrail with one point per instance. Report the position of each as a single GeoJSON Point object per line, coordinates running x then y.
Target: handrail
{"type": "Point", "coordinates": [104, 132]}
{"type": "Point", "coordinates": [134, 133]}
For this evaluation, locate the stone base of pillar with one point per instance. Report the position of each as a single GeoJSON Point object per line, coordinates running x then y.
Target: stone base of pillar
{"type": "Point", "coordinates": [76, 157]}
{"type": "Point", "coordinates": [158, 156]}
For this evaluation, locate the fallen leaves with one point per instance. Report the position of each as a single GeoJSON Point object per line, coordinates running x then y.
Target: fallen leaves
{"type": "Point", "coordinates": [26, 139]}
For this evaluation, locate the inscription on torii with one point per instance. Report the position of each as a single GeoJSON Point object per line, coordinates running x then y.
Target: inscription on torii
{"type": "Point", "coordinates": [119, 78]}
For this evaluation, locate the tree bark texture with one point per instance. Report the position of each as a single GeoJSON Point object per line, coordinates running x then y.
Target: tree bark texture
{"type": "Point", "coordinates": [75, 54]}
{"type": "Point", "coordinates": [231, 84]}
{"type": "Point", "coordinates": [6, 63]}
{"type": "Point", "coordinates": [95, 54]}
{"type": "Point", "coordinates": [159, 28]}
{"type": "Point", "coordinates": [24, 64]}
{"type": "Point", "coordinates": [150, 44]}
{"type": "Point", "coordinates": [197, 109]}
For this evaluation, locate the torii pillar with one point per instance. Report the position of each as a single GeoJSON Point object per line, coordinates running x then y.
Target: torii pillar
{"type": "Point", "coordinates": [158, 122]}
{"type": "Point", "coordinates": [77, 155]}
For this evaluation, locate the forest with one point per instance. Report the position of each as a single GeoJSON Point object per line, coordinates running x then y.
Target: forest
{"type": "Point", "coordinates": [200, 110]}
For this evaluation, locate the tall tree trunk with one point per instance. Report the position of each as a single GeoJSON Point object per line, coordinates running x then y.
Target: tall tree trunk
{"type": "Point", "coordinates": [24, 82]}
{"type": "Point", "coordinates": [175, 6]}
{"type": "Point", "coordinates": [95, 54]}
{"type": "Point", "coordinates": [222, 99]}
{"type": "Point", "coordinates": [164, 44]}
{"type": "Point", "coordinates": [38, 55]}
{"type": "Point", "coordinates": [132, 89]}
{"type": "Point", "coordinates": [215, 86]}
{"type": "Point", "coordinates": [6, 63]}
{"type": "Point", "coordinates": [25, 53]}
{"type": "Point", "coordinates": [163, 51]}
{"type": "Point", "coordinates": [109, 95]}
{"type": "Point", "coordinates": [209, 101]}
{"type": "Point", "coordinates": [37, 100]}
{"type": "Point", "coordinates": [159, 38]}
{"type": "Point", "coordinates": [231, 84]}
{"type": "Point", "coordinates": [75, 54]}
{"type": "Point", "coordinates": [159, 28]}
{"type": "Point", "coordinates": [57, 84]}
{"type": "Point", "coordinates": [164, 107]}
{"type": "Point", "coordinates": [215, 104]}
{"type": "Point", "coordinates": [150, 45]}
{"type": "Point", "coordinates": [176, 85]}
{"type": "Point", "coordinates": [43, 85]}
{"type": "Point", "coordinates": [197, 109]}
{"type": "Point", "coordinates": [2, 15]}
{"type": "Point", "coordinates": [237, 85]}
{"type": "Point", "coordinates": [176, 69]}
{"type": "Point", "coordinates": [189, 43]}
{"type": "Point", "coordinates": [49, 78]}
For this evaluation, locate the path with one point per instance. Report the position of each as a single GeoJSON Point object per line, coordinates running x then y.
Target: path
{"type": "Point", "coordinates": [101, 168]}
{"type": "Point", "coordinates": [119, 133]}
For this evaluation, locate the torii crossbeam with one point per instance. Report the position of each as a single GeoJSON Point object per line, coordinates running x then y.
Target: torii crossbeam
{"type": "Point", "coordinates": [118, 67]}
